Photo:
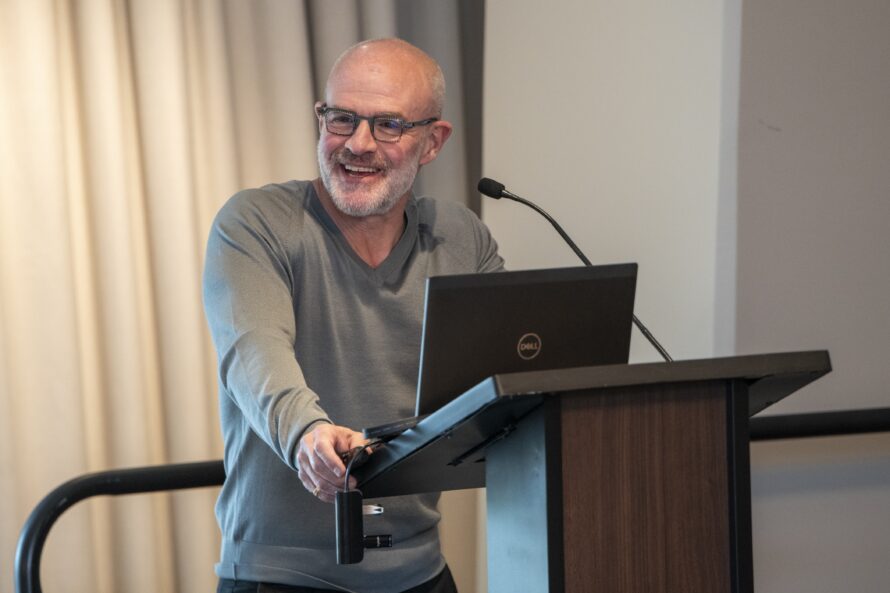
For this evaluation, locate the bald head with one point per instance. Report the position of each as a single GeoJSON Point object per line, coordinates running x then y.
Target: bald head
{"type": "Point", "coordinates": [421, 73]}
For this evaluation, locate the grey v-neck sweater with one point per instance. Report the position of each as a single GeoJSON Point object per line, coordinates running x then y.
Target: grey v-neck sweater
{"type": "Point", "coordinates": [307, 332]}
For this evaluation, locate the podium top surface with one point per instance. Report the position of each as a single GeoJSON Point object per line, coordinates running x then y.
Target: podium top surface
{"type": "Point", "coordinates": [770, 377]}
{"type": "Point", "coordinates": [445, 450]}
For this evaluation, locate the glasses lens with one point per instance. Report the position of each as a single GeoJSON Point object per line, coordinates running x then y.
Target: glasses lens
{"type": "Point", "coordinates": [387, 129]}
{"type": "Point", "coordinates": [339, 122]}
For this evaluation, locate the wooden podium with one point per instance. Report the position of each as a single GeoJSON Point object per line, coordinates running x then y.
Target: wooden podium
{"type": "Point", "coordinates": [620, 478]}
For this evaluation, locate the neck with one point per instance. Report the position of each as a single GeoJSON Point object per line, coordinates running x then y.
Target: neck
{"type": "Point", "coordinates": [372, 238]}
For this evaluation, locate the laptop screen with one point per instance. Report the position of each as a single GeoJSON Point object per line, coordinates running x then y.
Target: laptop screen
{"type": "Point", "coordinates": [478, 325]}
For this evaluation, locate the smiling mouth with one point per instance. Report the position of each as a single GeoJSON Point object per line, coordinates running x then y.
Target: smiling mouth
{"type": "Point", "coordinates": [359, 171]}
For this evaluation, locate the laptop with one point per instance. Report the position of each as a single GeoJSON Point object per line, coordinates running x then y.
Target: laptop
{"type": "Point", "coordinates": [478, 325]}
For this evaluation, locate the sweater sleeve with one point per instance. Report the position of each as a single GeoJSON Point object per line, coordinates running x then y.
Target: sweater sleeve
{"type": "Point", "coordinates": [247, 292]}
{"type": "Point", "coordinates": [487, 248]}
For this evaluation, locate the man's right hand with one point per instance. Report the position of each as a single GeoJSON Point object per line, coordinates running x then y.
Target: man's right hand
{"type": "Point", "coordinates": [318, 459]}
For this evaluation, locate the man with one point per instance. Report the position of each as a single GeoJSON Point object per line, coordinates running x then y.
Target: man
{"type": "Point", "coordinates": [313, 292]}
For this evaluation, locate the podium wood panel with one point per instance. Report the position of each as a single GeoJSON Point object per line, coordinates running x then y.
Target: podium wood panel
{"type": "Point", "coordinates": [643, 511]}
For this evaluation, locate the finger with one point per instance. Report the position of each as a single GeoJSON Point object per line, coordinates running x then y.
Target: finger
{"type": "Point", "coordinates": [310, 455]}
{"type": "Point", "coordinates": [321, 488]}
{"type": "Point", "coordinates": [318, 487]}
{"type": "Point", "coordinates": [326, 491]}
{"type": "Point", "coordinates": [328, 462]}
{"type": "Point", "coordinates": [306, 476]}
{"type": "Point", "coordinates": [325, 496]}
{"type": "Point", "coordinates": [312, 481]}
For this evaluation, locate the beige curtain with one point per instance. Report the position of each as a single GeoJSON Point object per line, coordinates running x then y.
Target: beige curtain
{"type": "Point", "coordinates": [124, 126]}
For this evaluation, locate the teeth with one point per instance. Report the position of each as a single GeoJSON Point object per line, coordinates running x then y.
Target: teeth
{"type": "Point", "coordinates": [358, 169]}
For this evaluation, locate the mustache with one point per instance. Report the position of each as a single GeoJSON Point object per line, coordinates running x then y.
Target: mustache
{"type": "Point", "coordinates": [344, 156]}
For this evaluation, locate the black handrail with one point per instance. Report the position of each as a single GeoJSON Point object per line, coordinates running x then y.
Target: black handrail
{"type": "Point", "coordinates": [819, 424]}
{"type": "Point", "coordinates": [211, 473]}
{"type": "Point", "coordinates": [115, 482]}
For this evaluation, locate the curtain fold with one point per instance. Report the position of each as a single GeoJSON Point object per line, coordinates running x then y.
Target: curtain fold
{"type": "Point", "coordinates": [124, 126]}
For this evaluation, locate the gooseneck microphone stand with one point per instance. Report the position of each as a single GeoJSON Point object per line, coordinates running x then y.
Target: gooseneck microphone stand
{"type": "Point", "coordinates": [493, 189]}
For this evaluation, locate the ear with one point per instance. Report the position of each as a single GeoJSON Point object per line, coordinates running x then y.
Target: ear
{"type": "Point", "coordinates": [439, 134]}
{"type": "Point", "coordinates": [315, 111]}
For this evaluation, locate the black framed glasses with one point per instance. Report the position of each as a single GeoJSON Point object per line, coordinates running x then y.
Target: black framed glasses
{"type": "Point", "coordinates": [384, 128]}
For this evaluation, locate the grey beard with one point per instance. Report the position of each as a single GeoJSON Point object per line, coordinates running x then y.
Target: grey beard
{"type": "Point", "coordinates": [381, 200]}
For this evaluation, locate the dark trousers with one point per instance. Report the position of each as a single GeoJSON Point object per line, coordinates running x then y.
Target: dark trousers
{"type": "Point", "coordinates": [443, 583]}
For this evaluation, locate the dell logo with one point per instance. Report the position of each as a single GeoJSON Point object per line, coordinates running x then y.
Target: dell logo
{"type": "Point", "coordinates": [529, 346]}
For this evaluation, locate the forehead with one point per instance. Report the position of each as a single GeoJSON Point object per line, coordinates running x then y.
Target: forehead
{"type": "Point", "coordinates": [380, 82]}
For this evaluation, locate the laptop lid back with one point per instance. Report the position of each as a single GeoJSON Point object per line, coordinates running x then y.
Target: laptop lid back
{"type": "Point", "coordinates": [478, 325]}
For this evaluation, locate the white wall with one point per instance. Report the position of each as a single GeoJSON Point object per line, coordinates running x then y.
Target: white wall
{"type": "Point", "coordinates": [621, 119]}
{"type": "Point", "coordinates": [609, 116]}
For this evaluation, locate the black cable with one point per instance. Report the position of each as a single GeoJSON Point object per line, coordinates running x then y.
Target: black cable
{"type": "Point", "coordinates": [360, 455]}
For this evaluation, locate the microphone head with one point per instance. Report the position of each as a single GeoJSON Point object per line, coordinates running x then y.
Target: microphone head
{"type": "Point", "coordinates": [491, 188]}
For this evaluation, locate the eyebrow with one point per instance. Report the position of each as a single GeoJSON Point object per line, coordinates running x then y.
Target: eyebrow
{"type": "Point", "coordinates": [392, 114]}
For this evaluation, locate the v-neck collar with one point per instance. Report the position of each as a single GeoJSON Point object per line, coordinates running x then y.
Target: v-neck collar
{"type": "Point", "coordinates": [389, 268]}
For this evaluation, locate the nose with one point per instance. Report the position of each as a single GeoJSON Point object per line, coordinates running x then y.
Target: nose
{"type": "Point", "coordinates": [362, 140]}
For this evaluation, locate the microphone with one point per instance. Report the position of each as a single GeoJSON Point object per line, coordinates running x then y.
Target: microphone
{"type": "Point", "coordinates": [496, 190]}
